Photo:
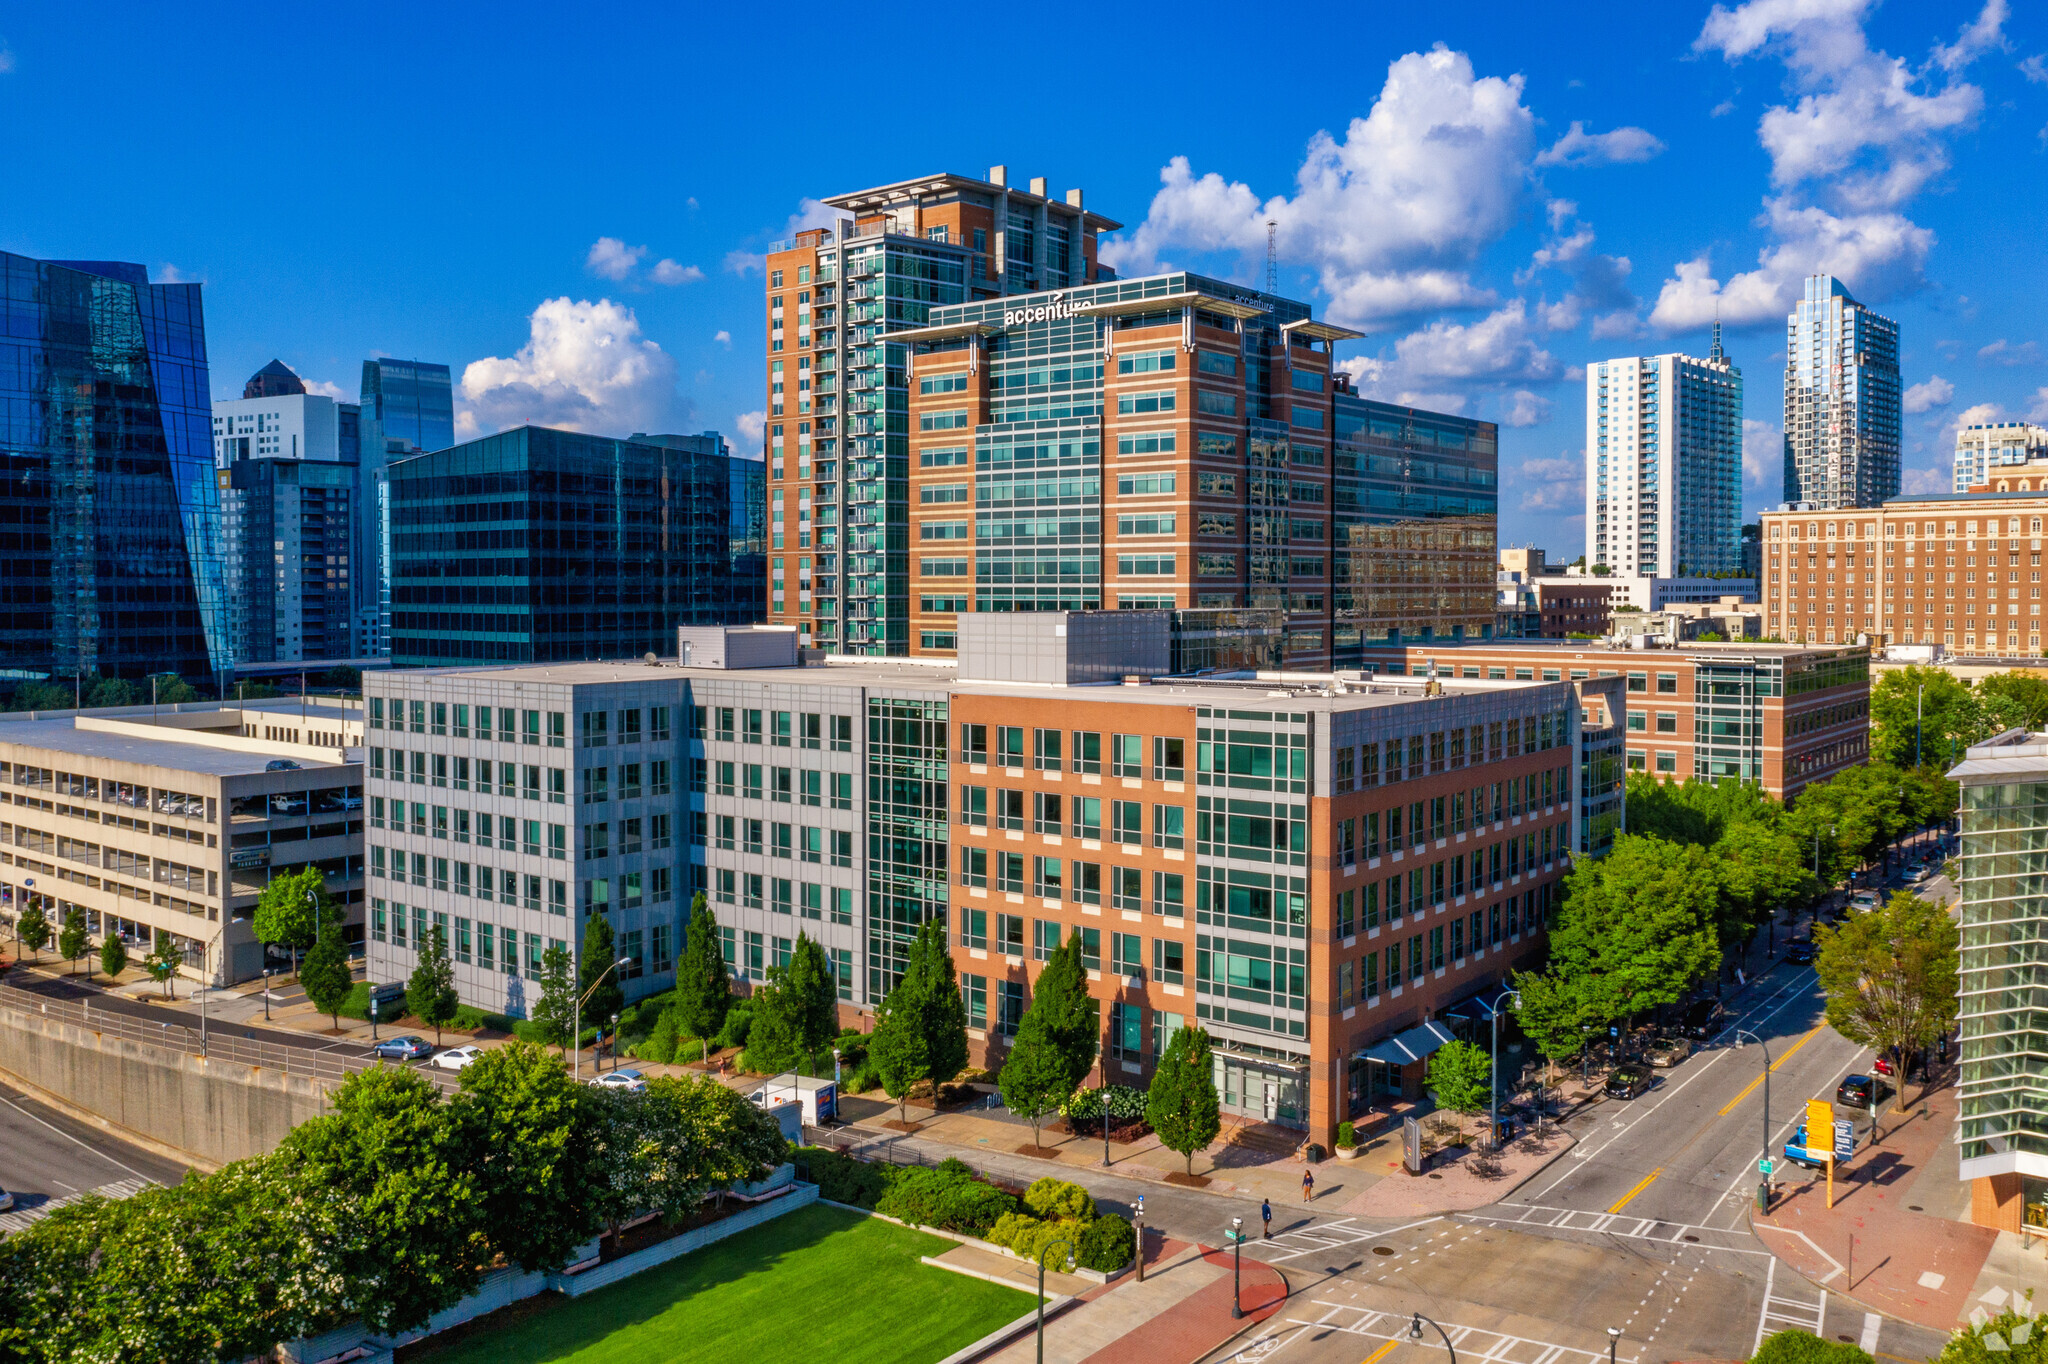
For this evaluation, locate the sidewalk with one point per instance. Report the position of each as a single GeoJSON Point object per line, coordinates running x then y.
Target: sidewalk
{"type": "Point", "coordinates": [1893, 1241]}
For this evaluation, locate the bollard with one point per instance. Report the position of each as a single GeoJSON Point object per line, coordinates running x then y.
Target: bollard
{"type": "Point", "coordinates": [1763, 1196]}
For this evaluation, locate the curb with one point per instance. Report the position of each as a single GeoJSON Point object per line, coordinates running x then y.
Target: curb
{"type": "Point", "coordinates": [1003, 1335]}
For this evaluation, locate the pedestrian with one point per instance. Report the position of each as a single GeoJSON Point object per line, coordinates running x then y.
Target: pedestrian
{"type": "Point", "coordinates": [1266, 1216]}
{"type": "Point", "coordinates": [1308, 1185]}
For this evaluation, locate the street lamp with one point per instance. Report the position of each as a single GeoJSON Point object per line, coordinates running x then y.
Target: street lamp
{"type": "Point", "coordinates": [1236, 1266]}
{"type": "Point", "coordinates": [1613, 1338]}
{"type": "Point", "coordinates": [266, 994]}
{"type": "Point", "coordinates": [1493, 1085]}
{"type": "Point", "coordinates": [1741, 1033]}
{"type": "Point", "coordinates": [615, 1041]}
{"type": "Point", "coordinates": [1068, 1246]}
{"type": "Point", "coordinates": [576, 1020]}
{"type": "Point", "coordinates": [1139, 1222]}
{"type": "Point", "coordinates": [1415, 1333]}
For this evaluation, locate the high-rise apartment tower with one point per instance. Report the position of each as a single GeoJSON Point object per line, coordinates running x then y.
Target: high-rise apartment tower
{"type": "Point", "coordinates": [1664, 464]}
{"type": "Point", "coordinates": [1841, 401]}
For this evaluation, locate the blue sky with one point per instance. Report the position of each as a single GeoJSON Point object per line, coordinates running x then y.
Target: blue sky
{"type": "Point", "coordinates": [565, 209]}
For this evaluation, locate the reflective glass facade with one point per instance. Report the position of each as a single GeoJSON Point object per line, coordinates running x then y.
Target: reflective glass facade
{"type": "Point", "coordinates": [907, 847]}
{"type": "Point", "coordinates": [1841, 400]}
{"type": "Point", "coordinates": [408, 407]}
{"type": "Point", "coordinates": [109, 560]}
{"type": "Point", "coordinates": [539, 546]}
{"type": "Point", "coordinates": [2004, 994]}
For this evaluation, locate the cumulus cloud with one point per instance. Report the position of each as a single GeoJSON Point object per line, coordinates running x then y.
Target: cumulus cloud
{"type": "Point", "coordinates": [1553, 485]}
{"type": "Point", "coordinates": [2035, 69]}
{"type": "Point", "coordinates": [752, 426]}
{"type": "Point", "coordinates": [1763, 453]}
{"type": "Point", "coordinates": [668, 272]}
{"type": "Point", "coordinates": [1498, 349]}
{"type": "Point", "coordinates": [1599, 281]}
{"type": "Point", "coordinates": [1935, 392]}
{"type": "Point", "coordinates": [325, 389]}
{"type": "Point", "coordinates": [612, 259]}
{"type": "Point", "coordinates": [1523, 408]}
{"type": "Point", "coordinates": [1879, 254]}
{"type": "Point", "coordinates": [1581, 148]}
{"type": "Point", "coordinates": [809, 213]}
{"type": "Point", "coordinates": [1919, 482]}
{"type": "Point", "coordinates": [585, 366]}
{"type": "Point", "coordinates": [1391, 217]}
{"type": "Point", "coordinates": [723, 338]}
{"type": "Point", "coordinates": [2003, 352]}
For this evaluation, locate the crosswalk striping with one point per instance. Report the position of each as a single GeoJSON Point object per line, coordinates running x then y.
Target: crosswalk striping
{"type": "Point", "coordinates": [1539, 1217]}
{"type": "Point", "coordinates": [1319, 1237]}
{"type": "Point", "coordinates": [1472, 1343]}
{"type": "Point", "coordinates": [21, 1219]}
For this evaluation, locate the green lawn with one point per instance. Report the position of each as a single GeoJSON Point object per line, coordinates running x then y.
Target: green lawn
{"type": "Point", "coordinates": [818, 1284]}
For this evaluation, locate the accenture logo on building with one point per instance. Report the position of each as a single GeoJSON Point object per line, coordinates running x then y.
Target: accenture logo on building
{"type": "Point", "coordinates": [1056, 306]}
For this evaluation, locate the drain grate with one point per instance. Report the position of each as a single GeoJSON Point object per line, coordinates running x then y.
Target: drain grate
{"type": "Point", "coordinates": [1914, 1207]}
{"type": "Point", "coordinates": [1383, 1250]}
{"type": "Point", "coordinates": [1692, 1238]}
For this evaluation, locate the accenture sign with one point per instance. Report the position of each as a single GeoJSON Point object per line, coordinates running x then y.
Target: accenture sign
{"type": "Point", "coordinates": [1055, 307]}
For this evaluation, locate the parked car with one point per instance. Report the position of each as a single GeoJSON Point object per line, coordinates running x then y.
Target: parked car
{"type": "Point", "coordinates": [402, 1049]}
{"type": "Point", "coordinates": [1703, 1018]}
{"type": "Point", "coordinates": [1669, 1051]}
{"type": "Point", "coordinates": [1881, 1065]}
{"type": "Point", "coordinates": [455, 1058]}
{"type": "Point", "coordinates": [1863, 900]}
{"type": "Point", "coordinates": [628, 1079]}
{"type": "Point", "coordinates": [1861, 1091]}
{"type": "Point", "coordinates": [1799, 951]}
{"type": "Point", "coordinates": [6, 1200]}
{"type": "Point", "coordinates": [1795, 1149]}
{"type": "Point", "coordinates": [280, 765]}
{"type": "Point", "coordinates": [1626, 1082]}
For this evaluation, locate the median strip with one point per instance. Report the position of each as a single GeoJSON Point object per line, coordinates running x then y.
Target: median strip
{"type": "Point", "coordinates": [1750, 1088]}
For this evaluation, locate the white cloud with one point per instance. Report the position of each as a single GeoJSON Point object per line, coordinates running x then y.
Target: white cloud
{"type": "Point", "coordinates": [1985, 34]}
{"type": "Point", "coordinates": [809, 213]}
{"type": "Point", "coordinates": [668, 272]}
{"type": "Point", "coordinates": [1523, 408]}
{"type": "Point", "coordinates": [752, 426]}
{"type": "Point", "coordinates": [1935, 392]}
{"type": "Point", "coordinates": [612, 259]}
{"type": "Point", "coordinates": [1763, 453]}
{"type": "Point", "coordinates": [1581, 148]}
{"type": "Point", "coordinates": [2003, 352]}
{"type": "Point", "coordinates": [1877, 253]}
{"type": "Point", "coordinates": [585, 366]}
{"type": "Point", "coordinates": [2037, 406]}
{"type": "Point", "coordinates": [324, 389]}
{"type": "Point", "coordinates": [1391, 217]}
{"type": "Point", "coordinates": [1498, 348]}
{"type": "Point", "coordinates": [2035, 69]}
{"type": "Point", "coordinates": [171, 274]}
{"type": "Point", "coordinates": [723, 338]}
{"type": "Point", "coordinates": [1600, 282]}
{"type": "Point", "coordinates": [1918, 482]}
{"type": "Point", "coordinates": [1552, 485]}
{"type": "Point", "coordinates": [6, 59]}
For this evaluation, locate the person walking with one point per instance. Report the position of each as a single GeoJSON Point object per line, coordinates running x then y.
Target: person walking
{"type": "Point", "coordinates": [1266, 1216]}
{"type": "Point", "coordinates": [1308, 1185]}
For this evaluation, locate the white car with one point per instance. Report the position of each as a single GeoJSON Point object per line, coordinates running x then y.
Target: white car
{"type": "Point", "coordinates": [455, 1058]}
{"type": "Point", "coordinates": [628, 1079]}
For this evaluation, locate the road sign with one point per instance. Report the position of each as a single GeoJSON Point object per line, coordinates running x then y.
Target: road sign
{"type": "Point", "coordinates": [1845, 1138]}
{"type": "Point", "coordinates": [1820, 1117]}
{"type": "Point", "coordinates": [1763, 1167]}
{"type": "Point", "coordinates": [1411, 1145]}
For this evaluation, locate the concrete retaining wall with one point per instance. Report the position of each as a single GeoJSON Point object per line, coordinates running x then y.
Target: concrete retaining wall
{"type": "Point", "coordinates": [212, 1111]}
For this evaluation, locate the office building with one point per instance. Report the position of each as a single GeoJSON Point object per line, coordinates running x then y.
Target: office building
{"type": "Point", "coordinates": [171, 824]}
{"type": "Point", "coordinates": [1963, 572]}
{"type": "Point", "coordinates": [287, 467]}
{"type": "Point", "coordinates": [1181, 443]}
{"type": "Point", "coordinates": [1841, 401]}
{"type": "Point", "coordinates": [1992, 450]}
{"type": "Point", "coordinates": [110, 560]}
{"type": "Point", "coordinates": [838, 401]}
{"type": "Point", "coordinates": [1310, 875]}
{"type": "Point", "coordinates": [408, 408]}
{"type": "Point", "coordinates": [746, 519]}
{"type": "Point", "coordinates": [541, 546]}
{"type": "Point", "coordinates": [1664, 464]}
{"type": "Point", "coordinates": [2002, 1138]}
{"type": "Point", "coordinates": [1772, 714]}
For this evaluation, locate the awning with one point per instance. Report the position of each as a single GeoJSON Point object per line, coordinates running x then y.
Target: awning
{"type": "Point", "coordinates": [1479, 1008]}
{"type": "Point", "coordinates": [1412, 1045]}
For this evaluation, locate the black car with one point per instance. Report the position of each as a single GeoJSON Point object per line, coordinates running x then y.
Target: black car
{"type": "Point", "coordinates": [1626, 1082]}
{"type": "Point", "coordinates": [1861, 1091]}
{"type": "Point", "coordinates": [1703, 1018]}
{"type": "Point", "coordinates": [1800, 952]}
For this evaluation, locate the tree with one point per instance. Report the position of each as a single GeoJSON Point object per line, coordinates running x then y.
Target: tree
{"type": "Point", "coordinates": [2017, 697]}
{"type": "Point", "coordinates": [730, 1139]}
{"type": "Point", "coordinates": [945, 1010]}
{"type": "Point", "coordinates": [797, 1012]}
{"type": "Point", "coordinates": [327, 976]}
{"type": "Point", "coordinates": [554, 1011]}
{"type": "Point", "coordinates": [1760, 869]}
{"type": "Point", "coordinates": [1890, 976]}
{"type": "Point", "coordinates": [1035, 1079]}
{"type": "Point", "coordinates": [172, 690]}
{"type": "Point", "coordinates": [110, 692]}
{"type": "Point", "coordinates": [288, 908]}
{"type": "Point", "coordinates": [703, 986]}
{"type": "Point", "coordinates": [1182, 1105]}
{"type": "Point", "coordinates": [1637, 927]}
{"type": "Point", "coordinates": [1461, 1077]}
{"type": "Point", "coordinates": [921, 1028]}
{"type": "Point", "coordinates": [430, 993]}
{"type": "Point", "coordinates": [1551, 1013]}
{"type": "Point", "coordinates": [527, 1131]}
{"type": "Point", "coordinates": [598, 983]}
{"type": "Point", "coordinates": [1951, 715]}
{"type": "Point", "coordinates": [1854, 816]}
{"type": "Point", "coordinates": [1056, 1039]}
{"type": "Point", "coordinates": [2015, 1336]}
{"type": "Point", "coordinates": [32, 928]}
{"type": "Point", "coordinates": [113, 955]}
{"type": "Point", "coordinates": [72, 942]}
{"type": "Point", "coordinates": [163, 963]}
{"type": "Point", "coordinates": [898, 1051]}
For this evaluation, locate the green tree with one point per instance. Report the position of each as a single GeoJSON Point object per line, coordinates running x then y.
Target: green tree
{"type": "Point", "coordinates": [921, 1029]}
{"type": "Point", "coordinates": [703, 985]}
{"type": "Point", "coordinates": [33, 927]}
{"type": "Point", "coordinates": [527, 1132]}
{"type": "Point", "coordinates": [730, 1139]}
{"type": "Point", "coordinates": [1551, 1012]}
{"type": "Point", "coordinates": [1760, 870]}
{"type": "Point", "coordinates": [597, 982]}
{"type": "Point", "coordinates": [897, 1049]}
{"type": "Point", "coordinates": [1182, 1105]}
{"type": "Point", "coordinates": [172, 690]}
{"type": "Point", "coordinates": [1637, 929]}
{"type": "Point", "coordinates": [113, 955]}
{"type": "Point", "coordinates": [2021, 698]}
{"type": "Point", "coordinates": [810, 994]}
{"type": "Point", "coordinates": [163, 963]}
{"type": "Point", "coordinates": [1056, 1039]}
{"type": "Point", "coordinates": [327, 976]}
{"type": "Point", "coordinates": [1854, 815]}
{"type": "Point", "coordinates": [72, 942]}
{"type": "Point", "coordinates": [553, 1012]}
{"type": "Point", "coordinates": [110, 692]}
{"type": "Point", "coordinates": [2015, 1336]}
{"type": "Point", "coordinates": [1460, 1077]}
{"type": "Point", "coordinates": [1951, 715]}
{"type": "Point", "coordinates": [385, 1179]}
{"type": "Point", "coordinates": [430, 992]}
{"type": "Point", "coordinates": [1929, 796]}
{"type": "Point", "coordinates": [1890, 977]}
{"type": "Point", "coordinates": [1035, 1079]}
{"type": "Point", "coordinates": [289, 907]}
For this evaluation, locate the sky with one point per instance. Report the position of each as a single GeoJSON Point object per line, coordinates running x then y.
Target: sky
{"type": "Point", "coordinates": [569, 207]}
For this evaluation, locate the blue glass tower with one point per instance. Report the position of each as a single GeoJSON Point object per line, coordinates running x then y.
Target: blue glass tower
{"type": "Point", "coordinates": [108, 508]}
{"type": "Point", "coordinates": [408, 408]}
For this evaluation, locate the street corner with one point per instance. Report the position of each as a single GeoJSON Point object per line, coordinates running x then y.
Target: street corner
{"type": "Point", "coordinates": [1909, 1265]}
{"type": "Point", "coordinates": [1469, 1181]}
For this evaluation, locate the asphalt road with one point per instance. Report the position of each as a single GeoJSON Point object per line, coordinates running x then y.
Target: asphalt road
{"type": "Point", "coordinates": [46, 1157]}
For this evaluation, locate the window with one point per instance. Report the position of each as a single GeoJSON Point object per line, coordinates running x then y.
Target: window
{"type": "Point", "coordinates": [1087, 812]}
{"type": "Point", "coordinates": [1216, 362]}
{"type": "Point", "coordinates": [1127, 954]}
{"type": "Point", "coordinates": [974, 928]}
{"type": "Point", "coordinates": [974, 744]}
{"type": "Point", "coordinates": [1131, 404]}
{"type": "Point", "coordinates": [973, 866]}
{"type": "Point", "coordinates": [1127, 820]}
{"type": "Point", "coordinates": [1169, 826]}
{"type": "Point", "coordinates": [1168, 961]}
{"type": "Point", "coordinates": [1127, 889]}
{"type": "Point", "coordinates": [1667, 683]}
{"type": "Point", "coordinates": [1146, 362]}
{"type": "Point", "coordinates": [1214, 404]}
{"type": "Point", "coordinates": [842, 790]}
{"type": "Point", "coordinates": [1169, 894]}
{"type": "Point", "coordinates": [1637, 721]}
{"type": "Point", "coordinates": [1145, 565]}
{"type": "Point", "coordinates": [1127, 755]}
{"type": "Point", "coordinates": [1169, 761]}
{"type": "Point", "coordinates": [842, 733]}
{"type": "Point", "coordinates": [1045, 749]}
{"type": "Point", "coordinates": [1045, 813]}
{"type": "Point", "coordinates": [1667, 762]}
{"type": "Point", "coordinates": [1048, 877]}
{"type": "Point", "coordinates": [1010, 746]}
{"type": "Point", "coordinates": [1087, 751]}
{"type": "Point", "coordinates": [1009, 937]}
{"type": "Point", "coordinates": [1667, 722]}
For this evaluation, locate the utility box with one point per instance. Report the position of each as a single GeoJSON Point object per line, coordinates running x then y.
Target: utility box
{"type": "Point", "coordinates": [818, 1098]}
{"type": "Point", "coordinates": [1064, 648]}
{"type": "Point", "coordinates": [736, 646]}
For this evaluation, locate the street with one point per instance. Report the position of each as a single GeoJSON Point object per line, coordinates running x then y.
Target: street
{"type": "Point", "coordinates": [47, 1158]}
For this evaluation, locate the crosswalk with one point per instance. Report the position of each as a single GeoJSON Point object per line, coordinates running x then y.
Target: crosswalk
{"type": "Point", "coordinates": [1792, 1309]}
{"type": "Point", "coordinates": [1471, 1343]}
{"type": "Point", "coordinates": [1319, 1238]}
{"type": "Point", "coordinates": [1536, 1217]}
{"type": "Point", "coordinates": [21, 1219]}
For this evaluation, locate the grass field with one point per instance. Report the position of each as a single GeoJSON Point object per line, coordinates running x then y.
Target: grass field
{"type": "Point", "coordinates": [818, 1284]}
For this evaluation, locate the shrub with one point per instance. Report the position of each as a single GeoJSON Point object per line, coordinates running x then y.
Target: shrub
{"type": "Point", "coordinates": [1347, 1136]}
{"type": "Point", "coordinates": [357, 1005]}
{"type": "Point", "coordinates": [1056, 1199]}
{"type": "Point", "coordinates": [1009, 1227]}
{"type": "Point", "coordinates": [947, 1196]}
{"type": "Point", "coordinates": [1106, 1244]}
{"type": "Point", "coordinates": [1029, 1242]}
{"type": "Point", "coordinates": [1125, 1105]}
{"type": "Point", "coordinates": [739, 1019]}
{"type": "Point", "coordinates": [660, 1045]}
{"type": "Point", "coordinates": [469, 1018]}
{"type": "Point", "coordinates": [1803, 1347]}
{"type": "Point", "coordinates": [843, 1179]}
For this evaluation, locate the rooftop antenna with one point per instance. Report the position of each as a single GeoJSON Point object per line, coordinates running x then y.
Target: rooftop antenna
{"type": "Point", "coordinates": [1715, 353]}
{"type": "Point", "coordinates": [1273, 256]}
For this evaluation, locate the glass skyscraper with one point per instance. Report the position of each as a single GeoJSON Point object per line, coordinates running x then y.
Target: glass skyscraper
{"type": "Point", "coordinates": [542, 546]}
{"type": "Point", "coordinates": [1664, 464]}
{"type": "Point", "coordinates": [408, 407]}
{"type": "Point", "coordinates": [109, 561]}
{"type": "Point", "coordinates": [1841, 400]}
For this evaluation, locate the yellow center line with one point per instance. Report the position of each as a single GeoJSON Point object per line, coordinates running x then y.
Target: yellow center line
{"type": "Point", "coordinates": [1377, 1355]}
{"type": "Point", "coordinates": [1750, 1088]}
{"type": "Point", "coordinates": [1647, 1180]}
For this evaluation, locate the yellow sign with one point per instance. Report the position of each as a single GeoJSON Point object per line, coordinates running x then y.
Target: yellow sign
{"type": "Point", "coordinates": [1820, 1125]}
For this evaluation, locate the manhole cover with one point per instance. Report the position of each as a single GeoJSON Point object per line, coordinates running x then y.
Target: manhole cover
{"type": "Point", "coordinates": [1850, 1339]}
{"type": "Point", "coordinates": [1436, 1176]}
{"type": "Point", "coordinates": [1692, 1238]}
{"type": "Point", "coordinates": [1914, 1207]}
{"type": "Point", "coordinates": [1383, 1250]}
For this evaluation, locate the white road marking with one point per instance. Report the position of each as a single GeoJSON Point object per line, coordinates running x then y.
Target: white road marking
{"type": "Point", "coordinates": [21, 1219]}
{"type": "Point", "coordinates": [1871, 1322]}
{"type": "Point", "coordinates": [1471, 1342]}
{"type": "Point", "coordinates": [1321, 1237]}
{"type": "Point", "coordinates": [75, 1141]}
{"type": "Point", "coordinates": [1613, 1224]}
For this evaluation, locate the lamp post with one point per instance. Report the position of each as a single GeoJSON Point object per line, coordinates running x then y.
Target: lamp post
{"type": "Point", "coordinates": [1236, 1268]}
{"type": "Point", "coordinates": [615, 1041]}
{"type": "Point", "coordinates": [1493, 1079]}
{"type": "Point", "coordinates": [1138, 1219]}
{"type": "Point", "coordinates": [835, 1076]}
{"type": "Point", "coordinates": [1061, 1244]}
{"type": "Point", "coordinates": [1919, 708]}
{"type": "Point", "coordinates": [266, 994]}
{"type": "Point", "coordinates": [1415, 1333]}
{"type": "Point", "coordinates": [1741, 1033]}
{"type": "Point", "coordinates": [1613, 1339]}
{"type": "Point", "coordinates": [1105, 1116]}
{"type": "Point", "coordinates": [576, 1022]}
